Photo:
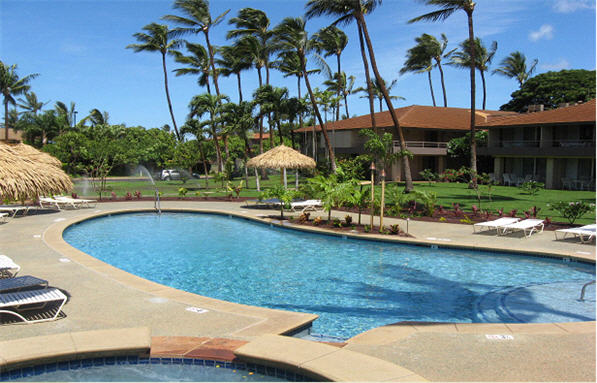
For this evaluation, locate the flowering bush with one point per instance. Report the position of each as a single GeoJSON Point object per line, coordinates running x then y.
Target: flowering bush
{"type": "Point", "coordinates": [128, 196]}
{"type": "Point", "coordinates": [572, 210]}
{"type": "Point", "coordinates": [452, 175]}
{"type": "Point", "coordinates": [138, 194]}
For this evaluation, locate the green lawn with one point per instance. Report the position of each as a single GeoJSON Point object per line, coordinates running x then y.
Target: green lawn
{"type": "Point", "coordinates": [505, 197]}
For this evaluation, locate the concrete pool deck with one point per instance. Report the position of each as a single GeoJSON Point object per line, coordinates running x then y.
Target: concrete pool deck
{"type": "Point", "coordinates": [105, 298]}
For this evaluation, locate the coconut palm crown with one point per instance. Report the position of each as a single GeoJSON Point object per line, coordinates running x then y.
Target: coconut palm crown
{"type": "Point", "coordinates": [12, 85]}
{"type": "Point", "coordinates": [515, 66]}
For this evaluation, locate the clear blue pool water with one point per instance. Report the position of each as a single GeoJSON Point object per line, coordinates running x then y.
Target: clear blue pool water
{"type": "Point", "coordinates": [145, 370]}
{"type": "Point", "coordinates": [353, 285]}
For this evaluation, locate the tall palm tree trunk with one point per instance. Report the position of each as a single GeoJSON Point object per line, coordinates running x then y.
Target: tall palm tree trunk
{"type": "Point", "coordinates": [204, 160]}
{"type": "Point", "coordinates": [263, 172]}
{"type": "Point", "coordinates": [338, 90]}
{"type": "Point", "coordinates": [240, 89]}
{"type": "Point", "coordinates": [167, 97]}
{"type": "Point", "coordinates": [318, 115]}
{"type": "Point", "coordinates": [367, 78]}
{"type": "Point", "coordinates": [405, 160]}
{"type": "Point", "coordinates": [484, 87]}
{"type": "Point", "coordinates": [441, 74]}
{"type": "Point", "coordinates": [210, 50]}
{"type": "Point", "coordinates": [471, 37]}
{"type": "Point", "coordinates": [431, 88]}
{"type": "Point", "coordinates": [5, 120]}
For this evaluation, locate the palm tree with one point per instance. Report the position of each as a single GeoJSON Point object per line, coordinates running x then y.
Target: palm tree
{"type": "Point", "coordinates": [378, 93]}
{"type": "Point", "coordinates": [10, 86]}
{"type": "Point", "coordinates": [255, 23]}
{"type": "Point", "coordinates": [233, 62]}
{"type": "Point", "coordinates": [95, 117]}
{"type": "Point", "coordinates": [484, 57]}
{"type": "Point", "coordinates": [419, 61]}
{"type": "Point", "coordinates": [515, 66]}
{"type": "Point", "coordinates": [198, 129]}
{"type": "Point", "coordinates": [446, 9]}
{"type": "Point", "coordinates": [332, 41]}
{"type": "Point", "coordinates": [435, 50]}
{"type": "Point", "coordinates": [292, 36]}
{"type": "Point", "coordinates": [157, 39]}
{"type": "Point", "coordinates": [66, 113]}
{"type": "Point", "coordinates": [289, 64]}
{"type": "Point", "coordinates": [347, 11]}
{"type": "Point", "coordinates": [212, 105]}
{"type": "Point", "coordinates": [197, 64]}
{"type": "Point", "coordinates": [271, 100]}
{"type": "Point", "coordinates": [198, 20]}
{"type": "Point", "coordinates": [239, 119]}
{"type": "Point", "coordinates": [342, 87]}
{"type": "Point", "coordinates": [30, 104]}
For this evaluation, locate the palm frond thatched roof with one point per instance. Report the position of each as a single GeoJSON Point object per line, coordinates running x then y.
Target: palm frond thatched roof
{"type": "Point", "coordinates": [281, 157]}
{"type": "Point", "coordinates": [22, 178]}
{"type": "Point", "coordinates": [35, 155]}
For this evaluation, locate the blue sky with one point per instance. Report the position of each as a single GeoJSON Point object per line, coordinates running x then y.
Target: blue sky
{"type": "Point", "coordinates": [78, 49]}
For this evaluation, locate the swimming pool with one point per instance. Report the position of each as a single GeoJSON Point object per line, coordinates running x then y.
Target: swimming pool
{"type": "Point", "coordinates": [139, 369]}
{"type": "Point", "coordinates": [354, 285]}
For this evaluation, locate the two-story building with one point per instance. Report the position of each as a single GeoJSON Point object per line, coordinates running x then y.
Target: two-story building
{"type": "Point", "coordinates": [426, 129]}
{"type": "Point", "coordinates": [556, 147]}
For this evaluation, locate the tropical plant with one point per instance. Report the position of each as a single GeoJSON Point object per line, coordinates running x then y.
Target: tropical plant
{"type": "Point", "coordinates": [515, 66]}
{"type": "Point", "coordinates": [232, 61]}
{"type": "Point", "coordinates": [419, 61]}
{"type": "Point", "coordinates": [198, 20]}
{"type": "Point", "coordinates": [332, 41]}
{"type": "Point", "coordinates": [12, 85]}
{"type": "Point", "coordinates": [30, 104]}
{"type": "Point", "coordinates": [235, 188]}
{"type": "Point", "coordinates": [355, 10]}
{"type": "Point", "coordinates": [376, 87]}
{"type": "Point", "coordinates": [446, 9]}
{"type": "Point", "coordinates": [197, 63]}
{"type": "Point", "coordinates": [428, 199]}
{"type": "Point", "coordinates": [572, 210]}
{"type": "Point", "coordinates": [483, 57]}
{"type": "Point", "coordinates": [284, 195]}
{"type": "Point", "coordinates": [211, 105]}
{"type": "Point", "coordinates": [532, 187]}
{"type": "Point", "coordinates": [292, 36]}
{"type": "Point", "coordinates": [359, 197]}
{"type": "Point", "coordinates": [158, 38]}
{"type": "Point", "coordinates": [429, 175]}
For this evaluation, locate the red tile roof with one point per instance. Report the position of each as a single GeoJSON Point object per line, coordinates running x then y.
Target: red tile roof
{"type": "Point", "coordinates": [414, 116]}
{"type": "Point", "coordinates": [584, 112]}
{"type": "Point", "coordinates": [256, 136]}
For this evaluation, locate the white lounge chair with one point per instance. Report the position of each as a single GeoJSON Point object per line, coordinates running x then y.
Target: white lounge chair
{"type": "Point", "coordinates": [585, 233]}
{"type": "Point", "coordinates": [49, 202]}
{"type": "Point", "coordinates": [18, 302]}
{"type": "Point", "coordinates": [8, 268]}
{"type": "Point", "coordinates": [495, 224]}
{"type": "Point", "coordinates": [3, 217]}
{"type": "Point", "coordinates": [75, 202]}
{"type": "Point", "coordinates": [308, 205]}
{"type": "Point", "coordinates": [9, 285]}
{"type": "Point", "coordinates": [528, 226]}
{"type": "Point", "coordinates": [14, 209]}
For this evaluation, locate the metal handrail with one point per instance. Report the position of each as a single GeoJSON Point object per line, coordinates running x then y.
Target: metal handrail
{"type": "Point", "coordinates": [156, 201]}
{"type": "Point", "coordinates": [584, 287]}
{"type": "Point", "coordinates": [423, 144]}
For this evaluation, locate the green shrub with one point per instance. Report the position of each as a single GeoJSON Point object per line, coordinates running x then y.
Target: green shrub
{"type": "Point", "coordinates": [428, 199]}
{"type": "Point", "coordinates": [182, 192]}
{"type": "Point", "coordinates": [429, 175]}
{"type": "Point", "coordinates": [532, 187]}
{"type": "Point", "coordinates": [572, 210]}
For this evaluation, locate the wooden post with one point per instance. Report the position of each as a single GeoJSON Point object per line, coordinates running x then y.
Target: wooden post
{"type": "Point", "coordinates": [383, 192]}
{"type": "Point", "coordinates": [283, 175]}
{"type": "Point", "coordinates": [372, 192]}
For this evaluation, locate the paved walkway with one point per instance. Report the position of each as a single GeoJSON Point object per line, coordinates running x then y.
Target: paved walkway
{"type": "Point", "coordinates": [103, 297]}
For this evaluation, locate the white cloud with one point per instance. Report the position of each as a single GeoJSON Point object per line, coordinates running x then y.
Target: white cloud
{"type": "Point", "coordinates": [69, 47]}
{"type": "Point", "coordinates": [562, 64]}
{"type": "Point", "coordinates": [545, 32]}
{"type": "Point", "coordinates": [569, 6]}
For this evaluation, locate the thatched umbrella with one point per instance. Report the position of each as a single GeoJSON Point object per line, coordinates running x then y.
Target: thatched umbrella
{"type": "Point", "coordinates": [282, 157]}
{"type": "Point", "coordinates": [22, 178]}
{"type": "Point", "coordinates": [35, 155]}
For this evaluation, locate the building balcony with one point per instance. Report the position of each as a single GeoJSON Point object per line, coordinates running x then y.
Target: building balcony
{"type": "Point", "coordinates": [425, 148]}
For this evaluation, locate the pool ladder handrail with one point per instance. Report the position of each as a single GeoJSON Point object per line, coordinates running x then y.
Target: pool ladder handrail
{"type": "Point", "coordinates": [584, 287]}
{"type": "Point", "coordinates": [156, 201]}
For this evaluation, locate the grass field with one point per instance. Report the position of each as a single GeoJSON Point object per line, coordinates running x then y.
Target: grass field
{"type": "Point", "coordinates": [506, 197]}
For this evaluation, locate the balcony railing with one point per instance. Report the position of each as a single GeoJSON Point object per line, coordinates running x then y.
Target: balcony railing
{"type": "Point", "coordinates": [553, 143]}
{"type": "Point", "coordinates": [422, 144]}
{"type": "Point", "coordinates": [573, 143]}
{"type": "Point", "coordinates": [519, 143]}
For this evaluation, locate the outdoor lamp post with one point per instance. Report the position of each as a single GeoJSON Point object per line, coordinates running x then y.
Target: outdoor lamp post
{"type": "Point", "coordinates": [383, 189]}
{"type": "Point", "coordinates": [74, 118]}
{"type": "Point", "coordinates": [372, 192]}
